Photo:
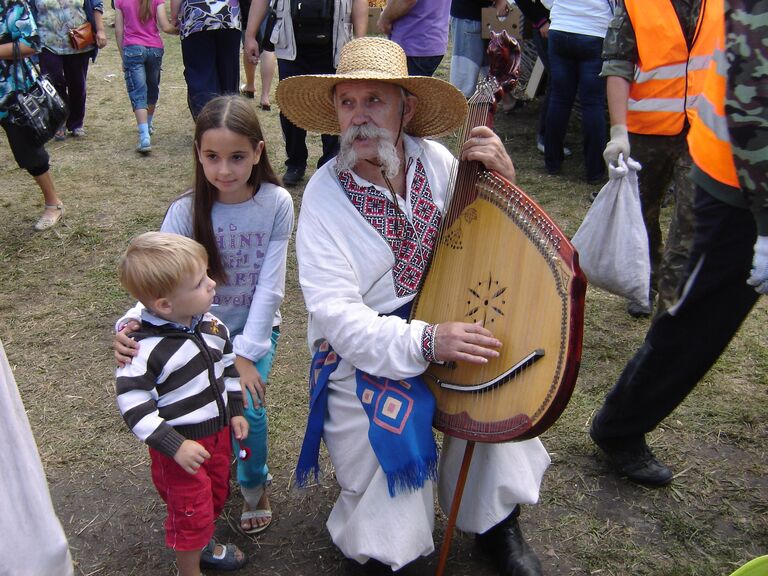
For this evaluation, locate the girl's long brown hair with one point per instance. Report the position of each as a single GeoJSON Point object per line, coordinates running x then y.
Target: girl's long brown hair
{"type": "Point", "coordinates": [236, 114]}
{"type": "Point", "coordinates": [145, 10]}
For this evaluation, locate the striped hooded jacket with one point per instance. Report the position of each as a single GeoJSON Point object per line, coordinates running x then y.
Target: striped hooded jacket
{"type": "Point", "coordinates": [182, 384]}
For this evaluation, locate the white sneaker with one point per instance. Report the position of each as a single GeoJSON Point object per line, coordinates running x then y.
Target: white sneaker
{"type": "Point", "coordinates": [540, 146]}
{"type": "Point", "coordinates": [144, 146]}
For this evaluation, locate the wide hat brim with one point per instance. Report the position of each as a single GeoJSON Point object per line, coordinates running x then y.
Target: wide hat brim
{"type": "Point", "coordinates": [307, 101]}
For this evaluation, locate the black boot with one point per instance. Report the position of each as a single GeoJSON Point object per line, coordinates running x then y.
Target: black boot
{"type": "Point", "coordinates": [505, 545]}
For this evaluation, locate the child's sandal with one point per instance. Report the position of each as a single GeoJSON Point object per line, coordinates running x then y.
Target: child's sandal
{"type": "Point", "coordinates": [226, 560]}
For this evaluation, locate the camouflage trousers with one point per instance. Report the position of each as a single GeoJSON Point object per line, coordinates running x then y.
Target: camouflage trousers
{"type": "Point", "coordinates": [666, 163]}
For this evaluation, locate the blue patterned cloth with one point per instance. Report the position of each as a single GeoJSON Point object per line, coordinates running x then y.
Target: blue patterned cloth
{"type": "Point", "coordinates": [400, 415]}
{"type": "Point", "coordinates": [16, 23]}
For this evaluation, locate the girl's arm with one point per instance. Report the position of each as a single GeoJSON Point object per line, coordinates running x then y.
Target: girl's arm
{"type": "Point", "coordinates": [119, 30]}
{"type": "Point", "coordinates": [254, 342]}
{"type": "Point", "coordinates": [162, 21]}
{"type": "Point", "coordinates": [175, 7]}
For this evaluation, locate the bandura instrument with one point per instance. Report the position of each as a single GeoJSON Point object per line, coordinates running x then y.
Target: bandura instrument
{"type": "Point", "coordinates": [501, 261]}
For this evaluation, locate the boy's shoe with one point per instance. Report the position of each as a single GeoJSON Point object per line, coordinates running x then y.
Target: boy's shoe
{"type": "Point", "coordinates": [61, 134]}
{"type": "Point", "coordinates": [226, 560]}
{"type": "Point", "coordinates": [144, 146]}
{"type": "Point", "coordinates": [77, 133]}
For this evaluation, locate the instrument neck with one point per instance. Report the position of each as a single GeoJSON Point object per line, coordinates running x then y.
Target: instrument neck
{"type": "Point", "coordinates": [462, 192]}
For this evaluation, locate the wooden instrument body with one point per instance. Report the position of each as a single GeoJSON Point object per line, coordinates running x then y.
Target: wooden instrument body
{"type": "Point", "coordinates": [504, 263]}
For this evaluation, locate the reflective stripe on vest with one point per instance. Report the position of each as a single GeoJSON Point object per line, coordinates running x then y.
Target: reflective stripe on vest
{"type": "Point", "coordinates": [708, 139]}
{"type": "Point", "coordinates": [668, 77]}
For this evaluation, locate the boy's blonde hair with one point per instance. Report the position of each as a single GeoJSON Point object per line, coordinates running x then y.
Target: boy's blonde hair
{"type": "Point", "coordinates": [156, 263]}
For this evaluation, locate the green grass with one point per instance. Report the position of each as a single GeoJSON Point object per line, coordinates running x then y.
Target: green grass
{"type": "Point", "coordinates": [59, 297]}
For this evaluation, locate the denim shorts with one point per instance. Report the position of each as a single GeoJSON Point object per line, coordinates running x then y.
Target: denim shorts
{"type": "Point", "coordinates": [141, 65]}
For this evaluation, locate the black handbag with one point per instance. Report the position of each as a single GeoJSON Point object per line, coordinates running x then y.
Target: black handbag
{"type": "Point", "coordinates": [265, 39]}
{"type": "Point", "coordinates": [39, 110]}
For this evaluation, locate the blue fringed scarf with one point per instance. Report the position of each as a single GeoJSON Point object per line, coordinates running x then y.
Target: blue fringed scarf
{"type": "Point", "coordinates": [400, 415]}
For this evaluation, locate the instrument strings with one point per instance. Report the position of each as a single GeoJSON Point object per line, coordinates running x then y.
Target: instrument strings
{"type": "Point", "coordinates": [464, 176]}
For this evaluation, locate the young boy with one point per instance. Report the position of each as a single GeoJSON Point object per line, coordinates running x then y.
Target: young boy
{"type": "Point", "coordinates": [181, 393]}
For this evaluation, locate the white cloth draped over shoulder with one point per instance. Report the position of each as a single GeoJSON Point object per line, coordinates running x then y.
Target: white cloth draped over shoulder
{"type": "Point", "coordinates": [349, 276]}
{"type": "Point", "coordinates": [33, 538]}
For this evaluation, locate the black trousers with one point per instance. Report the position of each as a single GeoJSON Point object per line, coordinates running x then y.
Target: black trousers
{"type": "Point", "coordinates": [685, 341]}
{"type": "Point", "coordinates": [30, 157]}
{"type": "Point", "coordinates": [309, 60]}
{"type": "Point", "coordinates": [211, 66]}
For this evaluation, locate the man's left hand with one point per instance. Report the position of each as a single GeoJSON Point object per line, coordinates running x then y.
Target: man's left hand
{"type": "Point", "coordinates": [487, 148]}
{"type": "Point", "coordinates": [759, 274]}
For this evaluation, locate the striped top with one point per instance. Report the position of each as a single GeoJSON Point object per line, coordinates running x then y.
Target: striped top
{"type": "Point", "coordinates": [181, 385]}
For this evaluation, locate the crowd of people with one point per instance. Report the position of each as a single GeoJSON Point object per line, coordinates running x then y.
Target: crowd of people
{"type": "Point", "coordinates": [191, 378]}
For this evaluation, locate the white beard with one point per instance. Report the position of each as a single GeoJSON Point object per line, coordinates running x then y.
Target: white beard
{"type": "Point", "coordinates": [386, 151]}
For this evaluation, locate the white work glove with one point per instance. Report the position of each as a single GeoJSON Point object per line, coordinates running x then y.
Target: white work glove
{"type": "Point", "coordinates": [618, 144]}
{"type": "Point", "coordinates": [759, 275]}
{"type": "Point", "coordinates": [622, 166]}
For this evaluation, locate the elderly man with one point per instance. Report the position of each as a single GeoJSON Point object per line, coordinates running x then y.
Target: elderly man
{"type": "Point", "coordinates": [367, 227]}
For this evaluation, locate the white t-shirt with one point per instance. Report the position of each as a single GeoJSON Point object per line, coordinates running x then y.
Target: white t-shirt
{"type": "Point", "coordinates": [588, 17]}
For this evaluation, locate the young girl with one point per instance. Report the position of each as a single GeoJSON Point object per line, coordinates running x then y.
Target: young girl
{"type": "Point", "coordinates": [141, 49]}
{"type": "Point", "coordinates": [242, 216]}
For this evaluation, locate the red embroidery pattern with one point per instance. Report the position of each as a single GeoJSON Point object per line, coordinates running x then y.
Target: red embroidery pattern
{"type": "Point", "coordinates": [411, 243]}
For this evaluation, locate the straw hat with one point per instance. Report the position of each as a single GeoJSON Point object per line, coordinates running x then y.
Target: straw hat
{"type": "Point", "coordinates": [307, 101]}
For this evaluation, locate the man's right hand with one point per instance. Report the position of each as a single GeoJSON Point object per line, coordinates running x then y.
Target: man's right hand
{"type": "Point", "coordinates": [124, 346]}
{"type": "Point", "coordinates": [618, 144]}
{"type": "Point", "coordinates": [252, 49]}
{"type": "Point", "coordinates": [191, 456]}
{"type": "Point", "coordinates": [464, 342]}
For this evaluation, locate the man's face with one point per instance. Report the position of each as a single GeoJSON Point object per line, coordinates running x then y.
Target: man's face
{"type": "Point", "coordinates": [378, 104]}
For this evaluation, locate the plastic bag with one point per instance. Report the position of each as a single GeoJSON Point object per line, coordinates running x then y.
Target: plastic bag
{"type": "Point", "coordinates": [612, 241]}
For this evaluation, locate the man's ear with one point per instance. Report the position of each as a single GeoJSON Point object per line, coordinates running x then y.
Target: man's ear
{"type": "Point", "coordinates": [409, 108]}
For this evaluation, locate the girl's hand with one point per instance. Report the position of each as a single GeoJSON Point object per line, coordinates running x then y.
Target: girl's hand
{"type": "Point", "coordinates": [124, 346]}
{"type": "Point", "coordinates": [239, 427]}
{"type": "Point", "coordinates": [250, 380]}
{"type": "Point", "coordinates": [191, 456]}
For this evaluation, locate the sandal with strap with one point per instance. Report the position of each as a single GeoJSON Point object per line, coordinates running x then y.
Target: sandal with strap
{"type": "Point", "coordinates": [226, 560]}
{"type": "Point", "coordinates": [47, 220]}
{"type": "Point", "coordinates": [251, 515]}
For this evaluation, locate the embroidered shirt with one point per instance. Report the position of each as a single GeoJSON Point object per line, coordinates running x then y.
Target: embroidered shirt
{"type": "Point", "coordinates": [355, 268]}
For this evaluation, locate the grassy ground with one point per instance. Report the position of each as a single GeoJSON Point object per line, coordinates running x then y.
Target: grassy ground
{"type": "Point", "coordinates": [59, 296]}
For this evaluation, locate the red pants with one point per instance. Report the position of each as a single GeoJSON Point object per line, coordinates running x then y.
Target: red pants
{"type": "Point", "coordinates": [194, 501]}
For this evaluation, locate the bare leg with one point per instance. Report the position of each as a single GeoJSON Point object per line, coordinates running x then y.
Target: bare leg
{"type": "Point", "coordinates": [188, 562]}
{"type": "Point", "coordinates": [268, 65]}
{"type": "Point", "coordinates": [45, 181]}
{"type": "Point", "coordinates": [141, 115]}
{"type": "Point", "coordinates": [250, 74]}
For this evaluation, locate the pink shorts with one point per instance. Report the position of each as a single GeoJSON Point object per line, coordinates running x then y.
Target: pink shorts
{"type": "Point", "coordinates": [194, 501]}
